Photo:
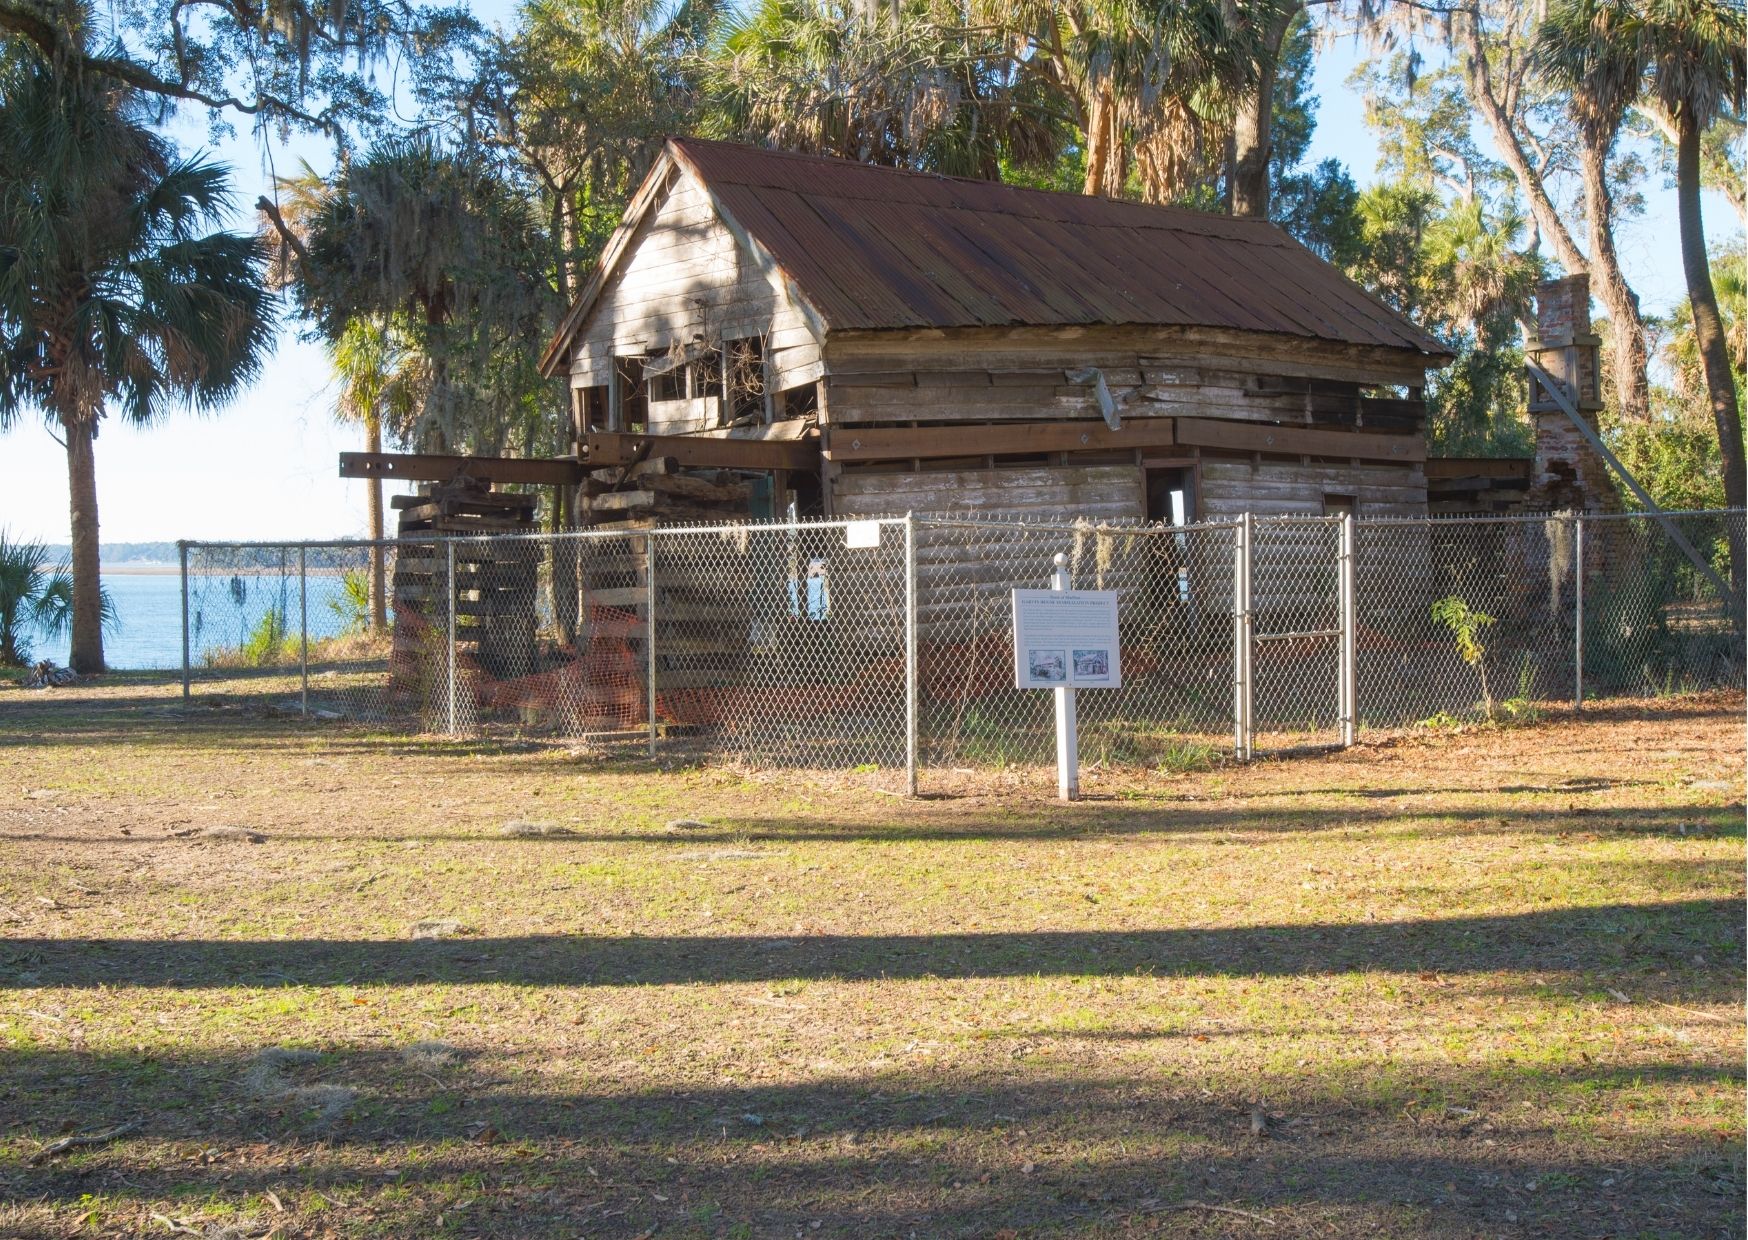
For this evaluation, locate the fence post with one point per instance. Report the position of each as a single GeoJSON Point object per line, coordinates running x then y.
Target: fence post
{"type": "Point", "coordinates": [1241, 696]}
{"type": "Point", "coordinates": [1348, 697]}
{"type": "Point", "coordinates": [450, 547]}
{"type": "Point", "coordinates": [1067, 714]}
{"type": "Point", "coordinates": [303, 627]}
{"type": "Point", "coordinates": [1578, 611]}
{"type": "Point", "coordinates": [910, 656]}
{"type": "Point", "coordinates": [649, 632]}
{"type": "Point", "coordinates": [182, 554]}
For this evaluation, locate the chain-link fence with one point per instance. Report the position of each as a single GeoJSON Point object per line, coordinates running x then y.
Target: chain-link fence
{"type": "Point", "coordinates": [889, 645]}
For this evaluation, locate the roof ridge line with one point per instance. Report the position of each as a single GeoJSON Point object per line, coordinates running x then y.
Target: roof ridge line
{"type": "Point", "coordinates": [980, 182]}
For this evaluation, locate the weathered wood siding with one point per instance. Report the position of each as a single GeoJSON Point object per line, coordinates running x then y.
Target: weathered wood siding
{"type": "Point", "coordinates": [687, 276]}
{"type": "Point", "coordinates": [1287, 488]}
{"type": "Point", "coordinates": [993, 376]}
{"type": "Point", "coordinates": [965, 575]}
{"type": "Point", "coordinates": [1037, 493]}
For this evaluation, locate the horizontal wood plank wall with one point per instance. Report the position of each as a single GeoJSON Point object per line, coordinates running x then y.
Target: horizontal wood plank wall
{"type": "Point", "coordinates": [1172, 355]}
{"type": "Point", "coordinates": [1039, 493]}
{"type": "Point", "coordinates": [1277, 488]}
{"type": "Point", "coordinates": [965, 575]}
{"type": "Point", "coordinates": [875, 380]}
{"type": "Point", "coordinates": [686, 276]}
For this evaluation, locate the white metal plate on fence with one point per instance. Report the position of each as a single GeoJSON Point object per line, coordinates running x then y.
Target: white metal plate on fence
{"type": "Point", "coordinates": [1066, 639]}
{"type": "Point", "coordinates": [862, 534]}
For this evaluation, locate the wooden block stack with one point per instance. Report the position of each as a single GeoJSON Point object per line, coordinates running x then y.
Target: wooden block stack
{"type": "Point", "coordinates": [495, 581]}
{"type": "Point", "coordinates": [466, 506]}
{"type": "Point", "coordinates": [694, 648]}
{"type": "Point", "coordinates": [638, 496]}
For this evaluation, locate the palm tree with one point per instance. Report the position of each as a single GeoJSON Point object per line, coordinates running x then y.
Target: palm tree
{"type": "Point", "coordinates": [34, 599]}
{"type": "Point", "coordinates": [1481, 279]}
{"type": "Point", "coordinates": [379, 380]}
{"type": "Point", "coordinates": [445, 243]}
{"type": "Point", "coordinates": [1685, 59]}
{"type": "Point", "coordinates": [1729, 272]}
{"type": "Point", "coordinates": [113, 294]}
{"type": "Point", "coordinates": [920, 86]}
{"type": "Point", "coordinates": [1693, 52]}
{"type": "Point", "coordinates": [1148, 82]}
{"type": "Point", "coordinates": [1585, 47]}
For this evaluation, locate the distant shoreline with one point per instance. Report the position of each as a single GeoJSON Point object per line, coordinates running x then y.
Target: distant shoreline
{"type": "Point", "coordinates": [172, 570]}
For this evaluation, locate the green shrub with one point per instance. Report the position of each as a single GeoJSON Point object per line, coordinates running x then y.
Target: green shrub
{"type": "Point", "coordinates": [352, 605]}
{"type": "Point", "coordinates": [266, 645]}
{"type": "Point", "coordinates": [1466, 625]}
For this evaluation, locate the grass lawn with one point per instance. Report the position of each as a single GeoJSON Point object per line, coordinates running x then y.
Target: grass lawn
{"type": "Point", "coordinates": [1487, 983]}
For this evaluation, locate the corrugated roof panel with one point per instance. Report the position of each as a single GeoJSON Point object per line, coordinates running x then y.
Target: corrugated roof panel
{"type": "Point", "coordinates": [874, 248]}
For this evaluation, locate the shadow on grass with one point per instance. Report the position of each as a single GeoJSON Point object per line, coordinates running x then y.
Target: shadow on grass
{"type": "Point", "coordinates": [1186, 823]}
{"type": "Point", "coordinates": [1616, 938]}
{"type": "Point", "coordinates": [1437, 1152]}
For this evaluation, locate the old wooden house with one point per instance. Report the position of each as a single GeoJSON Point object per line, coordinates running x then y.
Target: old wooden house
{"type": "Point", "coordinates": [770, 332]}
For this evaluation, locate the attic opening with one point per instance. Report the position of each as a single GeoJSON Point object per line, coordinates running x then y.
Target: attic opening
{"type": "Point", "coordinates": [688, 387]}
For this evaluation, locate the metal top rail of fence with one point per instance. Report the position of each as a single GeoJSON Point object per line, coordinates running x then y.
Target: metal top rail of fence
{"type": "Point", "coordinates": [886, 642]}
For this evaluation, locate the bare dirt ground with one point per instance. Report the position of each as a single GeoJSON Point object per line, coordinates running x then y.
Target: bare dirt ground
{"type": "Point", "coordinates": [1477, 984]}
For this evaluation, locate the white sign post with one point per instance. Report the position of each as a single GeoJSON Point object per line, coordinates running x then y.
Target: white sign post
{"type": "Point", "coordinates": [1064, 640]}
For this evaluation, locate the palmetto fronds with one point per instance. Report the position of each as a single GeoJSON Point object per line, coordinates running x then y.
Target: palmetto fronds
{"type": "Point", "coordinates": [119, 292]}
{"type": "Point", "coordinates": [36, 600]}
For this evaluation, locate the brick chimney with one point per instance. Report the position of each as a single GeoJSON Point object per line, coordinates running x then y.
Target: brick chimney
{"type": "Point", "coordinates": [1568, 474]}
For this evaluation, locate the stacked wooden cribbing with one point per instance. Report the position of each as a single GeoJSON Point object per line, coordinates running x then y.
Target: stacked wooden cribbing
{"type": "Point", "coordinates": [638, 496]}
{"type": "Point", "coordinates": [494, 585]}
{"type": "Point", "coordinates": [694, 648]}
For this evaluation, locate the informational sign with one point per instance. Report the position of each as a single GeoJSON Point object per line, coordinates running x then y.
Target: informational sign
{"type": "Point", "coordinates": [1066, 639]}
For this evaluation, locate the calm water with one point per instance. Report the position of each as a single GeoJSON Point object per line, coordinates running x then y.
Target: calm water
{"type": "Point", "coordinates": [222, 611]}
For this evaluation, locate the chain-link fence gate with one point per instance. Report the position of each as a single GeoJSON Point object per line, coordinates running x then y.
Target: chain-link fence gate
{"type": "Point", "coordinates": [887, 645]}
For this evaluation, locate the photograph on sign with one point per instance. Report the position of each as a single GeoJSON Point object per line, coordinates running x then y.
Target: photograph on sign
{"type": "Point", "coordinates": [1066, 639]}
{"type": "Point", "coordinates": [1048, 666]}
{"type": "Point", "coordinates": [1092, 666]}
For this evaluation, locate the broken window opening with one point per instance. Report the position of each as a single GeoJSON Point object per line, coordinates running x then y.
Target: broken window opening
{"type": "Point", "coordinates": [743, 382]}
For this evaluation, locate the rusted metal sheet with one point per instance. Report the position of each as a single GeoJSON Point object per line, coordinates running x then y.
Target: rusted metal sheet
{"type": "Point", "coordinates": [873, 248]}
{"type": "Point", "coordinates": [425, 467]}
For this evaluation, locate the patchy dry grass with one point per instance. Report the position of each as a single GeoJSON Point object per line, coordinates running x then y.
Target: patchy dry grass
{"type": "Point", "coordinates": [1487, 983]}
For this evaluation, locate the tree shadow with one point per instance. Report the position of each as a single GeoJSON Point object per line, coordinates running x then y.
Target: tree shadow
{"type": "Point", "coordinates": [1640, 939]}
{"type": "Point", "coordinates": [1441, 1152]}
{"type": "Point", "coordinates": [1187, 823]}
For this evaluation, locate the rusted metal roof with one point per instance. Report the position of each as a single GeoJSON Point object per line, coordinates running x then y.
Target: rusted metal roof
{"type": "Point", "coordinates": [873, 248]}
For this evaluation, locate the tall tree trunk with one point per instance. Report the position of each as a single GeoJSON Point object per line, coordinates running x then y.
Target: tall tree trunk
{"type": "Point", "coordinates": [1708, 331]}
{"type": "Point", "coordinates": [1248, 178]}
{"type": "Point", "coordinates": [1479, 75]}
{"type": "Point", "coordinates": [1106, 164]}
{"type": "Point", "coordinates": [1626, 326]}
{"type": "Point", "coordinates": [378, 572]}
{"type": "Point", "coordinates": [87, 653]}
{"type": "Point", "coordinates": [567, 211]}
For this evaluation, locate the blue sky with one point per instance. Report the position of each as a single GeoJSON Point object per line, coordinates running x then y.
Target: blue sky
{"type": "Point", "coordinates": [265, 468]}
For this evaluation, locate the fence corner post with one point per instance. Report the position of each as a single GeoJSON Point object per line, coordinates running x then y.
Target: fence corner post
{"type": "Point", "coordinates": [1348, 696]}
{"type": "Point", "coordinates": [303, 627]}
{"type": "Point", "coordinates": [1577, 611]}
{"type": "Point", "coordinates": [450, 594]}
{"type": "Point", "coordinates": [1241, 697]}
{"type": "Point", "coordinates": [649, 631]}
{"type": "Point", "coordinates": [910, 656]}
{"type": "Point", "coordinates": [182, 556]}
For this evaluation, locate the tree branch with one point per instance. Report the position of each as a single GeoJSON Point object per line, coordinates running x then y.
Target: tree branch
{"type": "Point", "coordinates": [270, 209]}
{"type": "Point", "coordinates": [55, 43]}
